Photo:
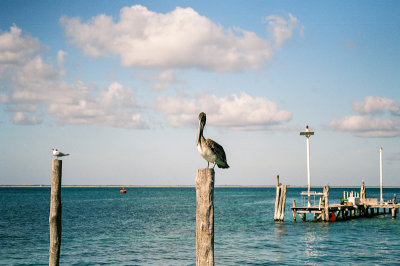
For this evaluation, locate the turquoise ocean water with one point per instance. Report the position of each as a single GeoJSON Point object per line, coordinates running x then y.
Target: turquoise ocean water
{"type": "Point", "coordinates": [156, 226]}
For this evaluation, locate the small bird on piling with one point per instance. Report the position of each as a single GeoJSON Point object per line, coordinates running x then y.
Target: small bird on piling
{"type": "Point", "coordinates": [58, 154]}
{"type": "Point", "coordinates": [211, 151]}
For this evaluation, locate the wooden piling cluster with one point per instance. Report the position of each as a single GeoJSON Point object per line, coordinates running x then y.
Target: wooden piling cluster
{"type": "Point", "coordinates": [55, 213]}
{"type": "Point", "coordinates": [205, 217]}
{"type": "Point", "coordinates": [280, 201]}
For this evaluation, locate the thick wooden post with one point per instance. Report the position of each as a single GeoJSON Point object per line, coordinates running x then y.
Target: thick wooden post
{"type": "Point", "coordinates": [325, 217]}
{"type": "Point", "coordinates": [283, 202]}
{"type": "Point", "coordinates": [277, 197]}
{"type": "Point", "coordinates": [294, 210]}
{"type": "Point", "coordinates": [363, 193]}
{"type": "Point", "coordinates": [394, 213]}
{"type": "Point", "coordinates": [55, 213]}
{"type": "Point", "coordinates": [394, 210]}
{"type": "Point", "coordinates": [205, 217]}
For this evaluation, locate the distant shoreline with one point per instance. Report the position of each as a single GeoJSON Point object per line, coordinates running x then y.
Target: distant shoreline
{"type": "Point", "coordinates": [189, 186]}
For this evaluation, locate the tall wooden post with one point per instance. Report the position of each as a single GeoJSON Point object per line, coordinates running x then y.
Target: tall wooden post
{"type": "Point", "coordinates": [394, 210]}
{"type": "Point", "coordinates": [326, 204]}
{"type": "Point", "coordinates": [282, 202]}
{"type": "Point", "coordinates": [55, 213]}
{"type": "Point", "coordinates": [362, 193]}
{"type": "Point", "coordinates": [277, 197]}
{"type": "Point", "coordinates": [294, 210]}
{"type": "Point", "coordinates": [205, 217]}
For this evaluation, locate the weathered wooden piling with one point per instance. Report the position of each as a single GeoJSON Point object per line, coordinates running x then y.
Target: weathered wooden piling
{"type": "Point", "coordinates": [363, 193]}
{"type": "Point", "coordinates": [325, 200]}
{"type": "Point", "coordinates": [394, 210]}
{"type": "Point", "coordinates": [55, 213]}
{"type": "Point", "coordinates": [280, 201]}
{"type": "Point", "coordinates": [205, 217]}
{"type": "Point", "coordinates": [294, 210]}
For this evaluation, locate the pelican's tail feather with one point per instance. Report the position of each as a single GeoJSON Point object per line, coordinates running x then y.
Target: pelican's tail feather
{"type": "Point", "coordinates": [223, 165]}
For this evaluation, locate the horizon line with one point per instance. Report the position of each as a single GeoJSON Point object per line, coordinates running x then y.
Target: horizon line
{"type": "Point", "coordinates": [243, 186]}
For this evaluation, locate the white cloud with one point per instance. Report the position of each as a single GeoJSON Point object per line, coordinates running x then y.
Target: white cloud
{"type": "Point", "coordinates": [178, 39]}
{"type": "Point", "coordinates": [367, 126]}
{"type": "Point", "coordinates": [237, 112]}
{"type": "Point", "coordinates": [374, 104]}
{"type": "Point", "coordinates": [28, 84]}
{"type": "Point", "coordinates": [60, 61]}
{"type": "Point", "coordinates": [14, 48]}
{"type": "Point", "coordinates": [114, 106]}
{"type": "Point", "coordinates": [164, 80]}
{"type": "Point", "coordinates": [4, 98]}
{"type": "Point", "coordinates": [282, 29]}
{"type": "Point", "coordinates": [22, 119]}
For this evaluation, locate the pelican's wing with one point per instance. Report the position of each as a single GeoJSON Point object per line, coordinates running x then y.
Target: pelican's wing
{"type": "Point", "coordinates": [217, 149]}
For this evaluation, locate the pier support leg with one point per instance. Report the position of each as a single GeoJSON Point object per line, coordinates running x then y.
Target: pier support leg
{"type": "Point", "coordinates": [55, 213]}
{"type": "Point", "coordinates": [294, 211]}
{"type": "Point", "coordinates": [325, 216]}
{"type": "Point", "coordinates": [394, 211]}
{"type": "Point", "coordinates": [205, 217]}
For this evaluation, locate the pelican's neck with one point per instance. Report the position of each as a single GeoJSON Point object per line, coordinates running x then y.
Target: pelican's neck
{"type": "Point", "coordinates": [200, 137]}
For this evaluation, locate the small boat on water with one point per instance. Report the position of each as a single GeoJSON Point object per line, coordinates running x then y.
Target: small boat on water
{"type": "Point", "coordinates": [123, 190]}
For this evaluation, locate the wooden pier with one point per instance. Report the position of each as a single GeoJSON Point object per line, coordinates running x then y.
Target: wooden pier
{"type": "Point", "coordinates": [344, 212]}
{"type": "Point", "coordinates": [363, 207]}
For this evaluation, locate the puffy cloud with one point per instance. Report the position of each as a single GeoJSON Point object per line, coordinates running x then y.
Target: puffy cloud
{"type": "Point", "coordinates": [4, 98]}
{"type": "Point", "coordinates": [374, 104]}
{"type": "Point", "coordinates": [27, 83]}
{"type": "Point", "coordinates": [14, 48]}
{"type": "Point", "coordinates": [281, 29]}
{"type": "Point", "coordinates": [367, 126]}
{"type": "Point", "coordinates": [178, 39]}
{"type": "Point", "coordinates": [22, 119]}
{"type": "Point", "coordinates": [164, 80]}
{"type": "Point", "coordinates": [114, 106]}
{"type": "Point", "coordinates": [237, 112]}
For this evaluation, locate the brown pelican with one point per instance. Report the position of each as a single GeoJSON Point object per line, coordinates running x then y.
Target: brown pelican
{"type": "Point", "coordinates": [209, 149]}
{"type": "Point", "coordinates": [58, 154]}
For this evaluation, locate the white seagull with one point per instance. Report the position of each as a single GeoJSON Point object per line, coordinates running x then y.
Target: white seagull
{"type": "Point", "coordinates": [58, 154]}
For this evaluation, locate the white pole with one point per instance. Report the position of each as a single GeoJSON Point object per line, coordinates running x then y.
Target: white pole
{"type": "Point", "coordinates": [380, 170]}
{"type": "Point", "coordinates": [308, 171]}
{"type": "Point", "coordinates": [307, 134]}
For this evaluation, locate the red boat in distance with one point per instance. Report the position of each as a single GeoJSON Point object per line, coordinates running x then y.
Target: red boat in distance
{"type": "Point", "coordinates": [123, 190]}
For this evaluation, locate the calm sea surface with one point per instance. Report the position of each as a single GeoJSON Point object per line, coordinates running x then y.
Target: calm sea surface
{"type": "Point", "coordinates": [156, 226]}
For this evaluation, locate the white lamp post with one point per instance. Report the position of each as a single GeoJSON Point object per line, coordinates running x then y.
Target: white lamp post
{"type": "Point", "coordinates": [308, 134]}
{"type": "Point", "coordinates": [380, 171]}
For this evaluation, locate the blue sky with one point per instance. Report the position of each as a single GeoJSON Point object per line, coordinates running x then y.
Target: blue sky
{"type": "Point", "coordinates": [119, 85]}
